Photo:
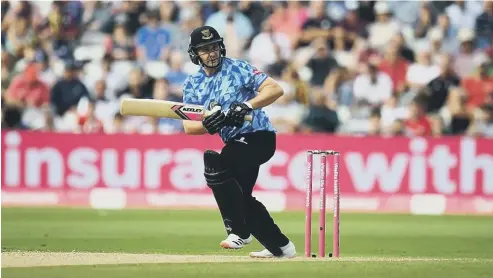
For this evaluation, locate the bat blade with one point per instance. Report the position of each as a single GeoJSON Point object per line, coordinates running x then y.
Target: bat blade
{"type": "Point", "coordinates": [162, 109]}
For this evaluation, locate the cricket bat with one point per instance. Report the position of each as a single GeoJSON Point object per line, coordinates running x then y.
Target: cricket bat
{"type": "Point", "coordinates": [166, 109]}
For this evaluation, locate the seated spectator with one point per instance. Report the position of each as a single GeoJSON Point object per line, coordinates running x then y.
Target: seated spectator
{"type": "Point", "coordinates": [317, 25]}
{"type": "Point", "coordinates": [320, 118]}
{"type": "Point", "coordinates": [286, 113]}
{"type": "Point", "coordinates": [424, 22]}
{"type": "Point", "coordinates": [139, 86]}
{"type": "Point", "coordinates": [463, 13]}
{"type": "Point", "coordinates": [382, 31]}
{"type": "Point", "coordinates": [152, 40]}
{"type": "Point", "coordinates": [478, 86]}
{"type": "Point", "coordinates": [437, 90]}
{"type": "Point", "coordinates": [396, 67]}
{"type": "Point", "coordinates": [338, 87]}
{"type": "Point", "coordinates": [19, 35]}
{"type": "Point", "coordinates": [435, 39]}
{"type": "Point", "coordinates": [271, 44]}
{"type": "Point", "coordinates": [484, 26]}
{"type": "Point", "coordinates": [405, 52]}
{"type": "Point", "coordinates": [46, 72]}
{"type": "Point", "coordinates": [483, 124]}
{"type": "Point", "coordinates": [466, 59]}
{"type": "Point", "coordinates": [286, 20]}
{"type": "Point", "coordinates": [89, 123]}
{"type": "Point", "coordinates": [104, 108]}
{"type": "Point", "coordinates": [373, 87]}
{"type": "Point", "coordinates": [343, 46]}
{"type": "Point", "coordinates": [301, 90]}
{"type": "Point", "coordinates": [176, 77]}
{"type": "Point", "coordinates": [27, 90]}
{"type": "Point", "coordinates": [68, 91]}
{"type": "Point", "coordinates": [321, 63]}
{"type": "Point", "coordinates": [460, 116]}
{"type": "Point", "coordinates": [449, 32]}
{"type": "Point", "coordinates": [231, 24]}
{"type": "Point", "coordinates": [418, 124]}
{"type": "Point", "coordinates": [120, 46]}
{"type": "Point", "coordinates": [422, 72]}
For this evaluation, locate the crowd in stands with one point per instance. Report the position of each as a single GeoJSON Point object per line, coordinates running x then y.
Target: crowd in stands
{"type": "Point", "coordinates": [410, 68]}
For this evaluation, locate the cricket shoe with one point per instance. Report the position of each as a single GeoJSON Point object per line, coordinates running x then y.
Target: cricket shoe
{"type": "Point", "coordinates": [235, 242]}
{"type": "Point", "coordinates": [288, 251]}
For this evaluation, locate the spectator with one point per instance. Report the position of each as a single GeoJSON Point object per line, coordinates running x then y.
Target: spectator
{"type": "Point", "coordinates": [353, 24]}
{"type": "Point", "coordinates": [321, 63]}
{"type": "Point", "coordinates": [478, 86]}
{"type": "Point", "coordinates": [418, 124]}
{"type": "Point", "coordinates": [88, 123]}
{"type": "Point", "coordinates": [449, 33]}
{"type": "Point", "coordinates": [46, 72]}
{"type": "Point", "coordinates": [104, 108]}
{"type": "Point", "coordinates": [338, 86]}
{"type": "Point", "coordinates": [460, 115]}
{"type": "Point", "coordinates": [421, 72]}
{"type": "Point", "coordinates": [272, 43]}
{"type": "Point", "coordinates": [405, 52]}
{"type": "Point", "coordinates": [165, 125]}
{"type": "Point", "coordinates": [435, 38]}
{"type": "Point", "coordinates": [128, 13]}
{"type": "Point", "coordinates": [231, 24]}
{"type": "Point", "coordinates": [287, 21]}
{"type": "Point", "coordinates": [463, 13]}
{"type": "Point", "coordinates": [484, 26]}
{"type": "Point", "coordinates": [373, 87]}
{"type": "Point", "coordinates": [438, 89]}
{"type": "Point", "coordinates": [19, 36]}
{"type": "Point", "coordinates": [382, 31]}
{"type": "Point", "coordinates": [483, 125]}
{"type": "Point", "coordinates": [466, 59]}
{"type": "Point", "coordinates": [424, 22]}
{"type": "Point", "coordinates": [396, 67]}
{"type": "Point", "coordinates": [320, 118]}
{"type": "Point", "coordinates": [68, 91]}
{"type": "Point", "coordinates": [286, 112]}
{"type": "Point", "coordinates": [318, 25]}
{"type": "Point", "coordinates": [139, 86]}
{"type": "Point", "coordinates": [301, 89]}
{"type": "Point", "coordinates": [152, 40]}
{"type": "Point", "coordinates": [27, 90]}
{"type": "Point", "coordinates": [120, 46]}
{"type": "Point", "coordinates": [176, 77]}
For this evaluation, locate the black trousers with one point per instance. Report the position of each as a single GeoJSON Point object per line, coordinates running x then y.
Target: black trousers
{"type": "Point", "coordinates": [244, 154]}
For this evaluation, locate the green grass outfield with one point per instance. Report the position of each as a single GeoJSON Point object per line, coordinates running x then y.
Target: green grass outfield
{"type": "Point", "coordinates": [371, 245]}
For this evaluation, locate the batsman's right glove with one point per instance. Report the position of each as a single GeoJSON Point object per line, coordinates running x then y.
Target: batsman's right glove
{"type": "Point", "coordinates": [214, 122]}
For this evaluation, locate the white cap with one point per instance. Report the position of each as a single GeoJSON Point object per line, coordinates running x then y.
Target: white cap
{"type": "Point", "coordinates": [435, 34]}
{"type": "Point", "coordinates": [466, 34]}
{"type": "Point", "coordinates": [381, 8]}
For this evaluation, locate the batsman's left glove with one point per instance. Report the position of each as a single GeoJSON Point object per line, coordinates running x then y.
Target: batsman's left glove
{"type": "Point", "coordinates": [236, 114]}
{"type": "Point", "coordinates": [214, 122]}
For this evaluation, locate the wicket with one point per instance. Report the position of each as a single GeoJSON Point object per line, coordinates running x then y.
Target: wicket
{"type": "Point", "coordinates": [323, 194]}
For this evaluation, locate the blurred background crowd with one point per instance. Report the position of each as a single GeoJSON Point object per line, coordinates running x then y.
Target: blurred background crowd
{"type": "Point", "coordinates": [410, 68]}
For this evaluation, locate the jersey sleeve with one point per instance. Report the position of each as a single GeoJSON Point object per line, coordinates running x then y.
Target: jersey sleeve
{"type": "Point", "coordinates": [252, 77]}
{"type": "Point", "coordinates": [189, 95]}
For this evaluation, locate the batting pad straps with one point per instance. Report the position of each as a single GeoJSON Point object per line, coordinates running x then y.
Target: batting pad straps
{"type": "Point", "coordinates": [218, 178]}
{"type": "Point", "coordinates": [215, 172]}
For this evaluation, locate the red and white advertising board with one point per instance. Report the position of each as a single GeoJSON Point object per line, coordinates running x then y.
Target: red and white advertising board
{"type": "Point", "coordinates": [410, 175]}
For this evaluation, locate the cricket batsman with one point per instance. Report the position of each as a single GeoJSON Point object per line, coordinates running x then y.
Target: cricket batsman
{"type": "Point", "coordinates": [234, 89]}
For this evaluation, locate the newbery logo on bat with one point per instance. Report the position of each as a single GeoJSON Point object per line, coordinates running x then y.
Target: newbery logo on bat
{"type": "Point", "coordinates": [188, 112]}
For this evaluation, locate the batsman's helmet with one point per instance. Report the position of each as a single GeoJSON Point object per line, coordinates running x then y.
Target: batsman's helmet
{"type": "Point", "coordinates": [203, 36]}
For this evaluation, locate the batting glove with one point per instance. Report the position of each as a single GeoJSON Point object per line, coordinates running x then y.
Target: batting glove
{"type": "Point", "coordinates": [237, 112]}
{"type": "Point", "coordinates": [214, 122]}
